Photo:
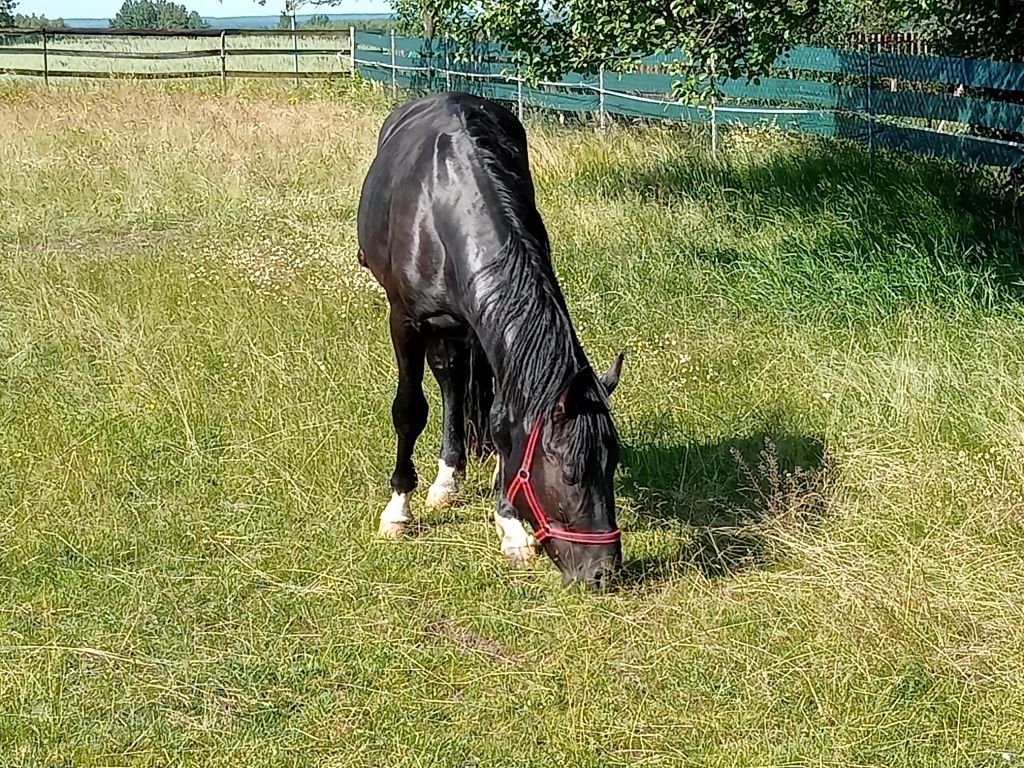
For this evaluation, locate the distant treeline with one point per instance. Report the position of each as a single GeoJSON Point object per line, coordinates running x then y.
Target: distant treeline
{"type": "Point", "coordinates": [323, 21]}
{"type": "Point", "coordinates": [26, 21]}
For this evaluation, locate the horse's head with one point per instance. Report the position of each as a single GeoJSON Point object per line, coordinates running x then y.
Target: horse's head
{"type": "Point", "coordinates": [564, 483]}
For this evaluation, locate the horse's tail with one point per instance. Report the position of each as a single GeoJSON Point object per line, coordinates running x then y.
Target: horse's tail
{"type": "Point", "coordinates": [477, 400]}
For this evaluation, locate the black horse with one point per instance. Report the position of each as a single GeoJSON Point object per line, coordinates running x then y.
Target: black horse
{"type": "Point", "coordinates": [448, 225]}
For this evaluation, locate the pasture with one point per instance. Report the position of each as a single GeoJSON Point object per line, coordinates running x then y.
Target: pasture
{"type": "Point", "coordinates": [821, 484]}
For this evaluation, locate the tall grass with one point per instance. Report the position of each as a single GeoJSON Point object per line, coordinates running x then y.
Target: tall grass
{"type": "Point", "coordinates": [821, 417]}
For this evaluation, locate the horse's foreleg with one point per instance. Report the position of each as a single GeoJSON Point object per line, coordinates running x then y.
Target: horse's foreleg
{"type": "Point", "coordinates": [518, 545]}
{"type": "Point", "coordinates": [409, 414]}
{"type": "Point", "coordinates": [447, 362]}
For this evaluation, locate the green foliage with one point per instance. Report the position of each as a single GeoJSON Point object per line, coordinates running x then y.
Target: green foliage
{"type": "Point", "coordinates": [7, 13]}
{"type": "Point", "coordinates": [977, 28]}
{"type": "Point", "coordinates": [156, 14]}
{"type": "Point", "coordinates": [323, 21]}
{"type": "Point", "coordinates": [32, 21]}
{"type": "Point", "coordinates": [723, 37]}
{"type": "Point", "coordinates": [836, 20]}
{"type": "Point", "coordinates": [969, 28]}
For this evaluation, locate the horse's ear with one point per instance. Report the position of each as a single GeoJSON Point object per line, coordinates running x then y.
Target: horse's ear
{"type": "Point", "coordinates": [570, 401]}
{"type": "Point", "coordinates": [610, 380]}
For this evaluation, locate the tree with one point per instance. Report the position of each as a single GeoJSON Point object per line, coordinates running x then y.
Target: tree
{"type": "Point", "coordinates": [969, 28]}
{"type": "Point", "coordinates": [7, 13]}
{"type": "Point", "coordinates": [156, 14]}
{"type": "Point", "coordinates": [838, 19]}
{"type": "Point", "coordinates": [724, 38]}
{"type": "Point", "coordinates": [975, 28]}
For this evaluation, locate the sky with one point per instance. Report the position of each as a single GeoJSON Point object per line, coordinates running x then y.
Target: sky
{"type": "Point", "coordinates": [92, 9]}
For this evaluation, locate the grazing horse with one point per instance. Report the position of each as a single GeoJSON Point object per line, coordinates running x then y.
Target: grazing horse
{"type": "Point", "coordinates": [449, 227]}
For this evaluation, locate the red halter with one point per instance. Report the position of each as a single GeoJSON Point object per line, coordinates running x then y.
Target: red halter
{"type": "Point", "coordinates": [546, 529]}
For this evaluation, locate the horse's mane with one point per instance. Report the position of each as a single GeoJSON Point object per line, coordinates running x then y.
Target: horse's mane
{"type": "Point", "coordinates": [520, 299]}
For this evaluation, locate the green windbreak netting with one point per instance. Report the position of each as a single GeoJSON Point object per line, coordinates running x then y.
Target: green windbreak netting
{"type": "Point", "coordinates": [961, 109]}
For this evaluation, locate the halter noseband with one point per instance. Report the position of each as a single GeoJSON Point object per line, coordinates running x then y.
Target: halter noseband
{"type": "Point", "coordinates": [546, 529]}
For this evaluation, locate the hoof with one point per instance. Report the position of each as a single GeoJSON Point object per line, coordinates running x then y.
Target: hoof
{"type": "Point", "coordinates": [519, 556]}
{"type": "Point", "coordinates": [443, 491]}
{"type": "Point", "coordinates": [396, 519]}
{"type": "Point", "coordinates": [439, 496]}
{"type": "Point", "coordinates": [393, 530]}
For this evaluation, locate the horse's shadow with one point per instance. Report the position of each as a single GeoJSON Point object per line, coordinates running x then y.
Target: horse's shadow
{"type": "Point", "coordinates": [730, 506]}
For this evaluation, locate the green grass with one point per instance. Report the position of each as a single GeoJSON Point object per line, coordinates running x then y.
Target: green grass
{"type": "Point", "coordinates": [195, 387]}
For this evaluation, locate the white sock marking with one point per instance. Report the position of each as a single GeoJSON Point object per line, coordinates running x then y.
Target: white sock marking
{"type": "Point", "coordinates": [397, 510]}
{"type": "Point", "coordinates": [517, 543]}
{"type": "Point", "coordinates": [444, 487]}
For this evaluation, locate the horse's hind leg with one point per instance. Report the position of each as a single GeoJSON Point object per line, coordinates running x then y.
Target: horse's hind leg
{"type": "Point", "coordinates": [447, 360]}
{"type": "Point", "coordinates": [409, 414]}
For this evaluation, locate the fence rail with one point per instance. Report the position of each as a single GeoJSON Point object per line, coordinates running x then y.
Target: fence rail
{"type": "Point", "coordinates": [967, 110]}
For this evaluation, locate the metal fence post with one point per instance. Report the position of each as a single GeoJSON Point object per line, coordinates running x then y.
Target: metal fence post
{"type": "Point", "coordinates": [223, 62]}
{"type": "Point", "coordinates": [714, 113]}
{"type": "Point", "coordinates": [46, 60]}
{"type": "Point", "coordinates": [394, 75]}
{"type": "Point", "coordinates": [447, 66]}
{"type": "Point", "coordinates": [295, 47]}
{"type": "Point", "coordinates": [870, 107]}
{"type": "Point", "coordinates": [352, 49]}
{"type": "Point", "coordinates": [519, 91]}
{"type": "Point", "coordinates": [600, 92]}
{"type": "Point", "coordinates": [714, 129]}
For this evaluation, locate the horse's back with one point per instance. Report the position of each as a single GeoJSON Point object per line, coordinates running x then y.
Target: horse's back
{"type": "Point", "coordinates": [425, 179]}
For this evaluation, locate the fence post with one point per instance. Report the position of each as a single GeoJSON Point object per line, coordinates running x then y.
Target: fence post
{"type": "Point", "coordinates": [352, 49]}
{"type": "Point", "coordinates": [600, 86]}
{"type": "Point", "coordinates": [46, 60]}
{"type": "Point", "coordinates": [223, 62]}
{"type": "Point", "coordinates": [714, 130]}
{"type": "Point", "coordinates": [447, 65]}
{"type": "Point", "coordinates": [519, 90]}
{"type": "Point", "coordinates": [295, 47]}
{"type": "Point", "coordinates": [394, 76]}
{"type": "Point", "coordinates": [870, 107]}
{"type": "Point", "coordinates": [714, 113]}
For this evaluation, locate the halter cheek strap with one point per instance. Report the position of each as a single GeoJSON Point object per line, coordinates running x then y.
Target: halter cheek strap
{"type": "Point", "coordinates": [547, 529]}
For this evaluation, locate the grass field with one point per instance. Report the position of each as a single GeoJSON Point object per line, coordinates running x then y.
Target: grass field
{"type": "Point", "coordinates": [822, 419]}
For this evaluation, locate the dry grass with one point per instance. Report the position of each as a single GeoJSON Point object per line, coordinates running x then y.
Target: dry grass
{"type": "Point", "coordinates": [821, 483]}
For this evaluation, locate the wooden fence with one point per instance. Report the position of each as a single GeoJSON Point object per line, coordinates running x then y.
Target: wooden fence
{"type": "Point", "coordinates": [971, 111]}
{"type": "Point", "coordinates": [52, 44]}
{"type": "Point", "coordinates": [886, 42]}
